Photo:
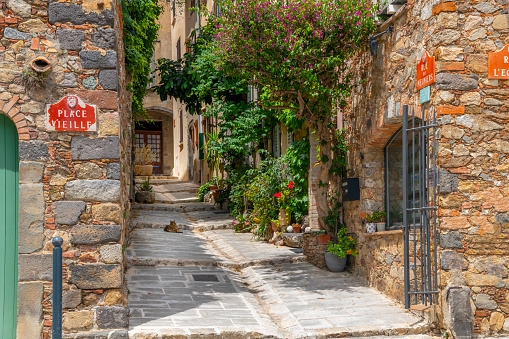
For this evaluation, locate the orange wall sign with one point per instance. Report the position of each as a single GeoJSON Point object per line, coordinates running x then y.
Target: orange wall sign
{"type": "Point", "coordinates": [498, 64]}
{"type": "Point", "coordinates": [71, 114]}
{"type": "Point", "coordinates": [425, 71]}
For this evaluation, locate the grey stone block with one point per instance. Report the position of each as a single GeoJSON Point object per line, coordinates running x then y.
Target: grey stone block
{"type": "Point", "coordinates": [31, 217]}
{"type": "Point", "coordinates": [30, 319]}
{"type": "Point", "coordinates": [30, 172]}
{"type": "Point", "coordinates": [448, 182]}
{"type": "Point", "coordinates": [93, 335]}
{"type": "Point", "coordinates": [71, 298]}
{"type": "Point", "coordinates": [112, 317]}
{"type": "Point", "coordinates": [65, 12]}
{"type": "Point", "coordinates": [451, 240]}
{"type": "Point", "coordinates": [84, 148]}
{"type": "Point", "coordinates": [113, 171]}
{"type": "Point", "coordinates": [122, 334]}
{"type": "Point", "coordinates": [453, 260]}
{"type": "Point", "coordinates": [485, 302]}
{"type": "Point", "coordinates": [89, 82]}
{"type": "Point", "coordinates": [111, 254]}
{"type": "Point", "coordinates": [460, 312]}
{"type": "Point", "coordinates": [69, 80]}
{"type": "Point", "coordinates": [68, 212]}
{"type": "Point", "coordinates": [446, 81]}
{"type": "Point", "coordinates": [91, 277]}
{"type": "Point", "coordinates": [94, 59]}
{"type": "Point", "coordinates": [108, 79]}
{"type": "Point", "coordinates": [502, 218]}
{"type": "Point", "coordinates": [33, 150]}
{"type": "Point", "coordinates": [93, 190]}
{"type": "Point", "coordinates": [70, 39]}
{"type": "Point", "coordinates": [104, 38]}
{"type": "Point", "coordinates": [95, 234]}
{"type": "Point", "coordinates": [10, 33]}
{"type": "Point", "coordinates": [35, 267]}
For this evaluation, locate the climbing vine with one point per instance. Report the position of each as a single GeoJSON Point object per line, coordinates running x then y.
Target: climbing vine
{"type": "Point", "coordinates": [140, 31]}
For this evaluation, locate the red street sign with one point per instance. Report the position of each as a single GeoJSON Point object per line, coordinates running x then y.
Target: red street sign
{"type": "Point", "coordinates": [498, 64]}
{"type": "Point", "coordinates": [71, 114]}
{"type": "Point", "coordinates": [425, 71]}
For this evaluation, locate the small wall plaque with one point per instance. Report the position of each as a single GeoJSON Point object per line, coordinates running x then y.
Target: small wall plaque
{"type": "Point", "coordinates": [498, 64]}
{"type": "Point", "coordinates": [425, 71]}
{"type": "Point", "coordinates": [71, 114]}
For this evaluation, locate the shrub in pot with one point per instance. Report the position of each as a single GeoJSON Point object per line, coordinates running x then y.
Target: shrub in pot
{"type": "Point", "coordinates": [144, 195]}
{"type": "Point", "coordinates": [143, 158]}
{"type": "Point", "coordinates": [337, 252]}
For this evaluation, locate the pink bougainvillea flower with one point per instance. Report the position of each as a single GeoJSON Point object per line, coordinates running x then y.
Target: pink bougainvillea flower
{"type": "Point", "coordinates": [278, 195]}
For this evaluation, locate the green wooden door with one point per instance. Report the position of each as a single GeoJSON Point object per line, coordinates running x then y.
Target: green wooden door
{"type": "Point", "coordinates": [8, 227]}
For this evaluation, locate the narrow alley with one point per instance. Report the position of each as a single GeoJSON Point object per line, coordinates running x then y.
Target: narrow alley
{"type": "Point", "coordinates": [211, 282]}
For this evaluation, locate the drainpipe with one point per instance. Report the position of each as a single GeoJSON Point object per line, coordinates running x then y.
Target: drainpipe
{"type": "Point", "coordinates": [200, 118]}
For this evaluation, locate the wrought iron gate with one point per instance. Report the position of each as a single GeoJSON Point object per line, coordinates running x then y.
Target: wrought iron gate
{"type": "Point", "coordinates": [419, 213]}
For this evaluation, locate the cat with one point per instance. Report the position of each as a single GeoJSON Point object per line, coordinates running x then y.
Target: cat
{"type": "Point", "coordinates": [172, 227]}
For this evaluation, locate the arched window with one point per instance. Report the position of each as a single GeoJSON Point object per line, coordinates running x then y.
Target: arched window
{"type": "Point", "coordinates": [394, 178]}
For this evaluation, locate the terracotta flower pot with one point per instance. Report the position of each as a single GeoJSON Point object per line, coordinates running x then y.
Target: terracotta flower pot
{"type": "Point", "coordinates": [296, 228]}
{"type": "Point", "coordinates": [213, 187]}
{"type": "Point", "coordinates": [323, 239]}
{"type": "Point", "coordinates": [143, 170]}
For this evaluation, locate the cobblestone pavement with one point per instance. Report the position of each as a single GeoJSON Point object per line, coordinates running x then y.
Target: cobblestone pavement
{"type": "Point", "coordinates": [218, 284]}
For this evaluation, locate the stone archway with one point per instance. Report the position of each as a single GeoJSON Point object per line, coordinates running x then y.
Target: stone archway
{"type": "Point", "coordinates": [10, 110]}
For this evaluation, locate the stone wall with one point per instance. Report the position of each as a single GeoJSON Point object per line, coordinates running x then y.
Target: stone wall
{"type": "Point", "coordinates": [69, 181]}
{"type": "Point", "coordinates": [473, 144]}
{"type": "Point", "coordinates": [313, 251]}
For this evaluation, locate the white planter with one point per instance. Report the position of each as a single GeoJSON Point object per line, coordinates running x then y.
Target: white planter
{"type": "Point", "coordinates": [380, 226]}
{"type": "Point", "coordinates": [370, 227]}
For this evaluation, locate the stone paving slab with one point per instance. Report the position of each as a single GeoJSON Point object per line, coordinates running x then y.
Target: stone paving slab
{"type": "Point", "coordinates": [200, 221]}
{"type": "Point", "coordinates": [309, 302]}
{"type": "Point", "coordinates": [174, 300]}
{"type": "Point", "coordinates": [249, 248]}
{"type": "Point", "coordinates": [178, 207]}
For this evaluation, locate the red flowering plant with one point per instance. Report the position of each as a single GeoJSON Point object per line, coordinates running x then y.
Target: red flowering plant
{"type": "Point", "coordinates": [345, 245]}
{"type": "Point", "coordinates": [285, 195]}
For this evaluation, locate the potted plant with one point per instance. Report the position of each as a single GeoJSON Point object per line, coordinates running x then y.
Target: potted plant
{"type": "Point", "coordinates": [322, 238]}
{"type": "Point", "coordinates": [143, 158]}
{"type": "Point", "coordinates": [144, 195]}
{"type": "Point", "coordinates": [376, 222]}
{"type": "Point", "coordinates": [336, 253]}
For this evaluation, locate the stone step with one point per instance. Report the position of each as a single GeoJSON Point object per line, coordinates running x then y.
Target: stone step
{"type": "Point", "coordinates": [178, 207]}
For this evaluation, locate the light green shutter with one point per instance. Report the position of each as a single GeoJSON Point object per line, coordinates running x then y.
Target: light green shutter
{"type": "Point", "coordinates": [8, 227]}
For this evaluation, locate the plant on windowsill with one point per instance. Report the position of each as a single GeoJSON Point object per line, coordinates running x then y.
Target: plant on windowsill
{"type": "Point", "coordinates": [143, 158]}
{"type": "Point", "coordinates": [337, 252]}
{"type": "Point", "coordinates": [144, 194]}
{"type": "Point", "coordinates": [376, 222]}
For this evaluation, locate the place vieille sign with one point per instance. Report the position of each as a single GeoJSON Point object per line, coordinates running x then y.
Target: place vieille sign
{"type": "Point", "coordinates": [71, 114]}
{"type": "Point", "coordinates": [498, 64]}
{"type": "Point", "coordinates": [425, 71]}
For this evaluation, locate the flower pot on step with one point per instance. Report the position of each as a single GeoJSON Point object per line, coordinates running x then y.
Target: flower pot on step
{"type": "Point", "coordinates": [323, 239]}
{"type": "Point", "coordinates": [145, 197]}
{"type": "Point", "coordinates": [335, 263]}
{"type": "Point", "coordinates": [380, 226]}
{"type": "Point", "coordinates": [143, 170]}
{"type": "Point", "coordinates": [296, 228]}
{"type": "Point", "coordinates": [370, 227]}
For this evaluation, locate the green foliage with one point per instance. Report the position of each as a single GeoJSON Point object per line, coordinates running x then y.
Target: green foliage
{"type": "Point", "coordinates": [342, 245]}
{"type": "Point", "coordinates": [376, 217]}
{"type": "Point", "coordinates": [297, 50]}
{"type": "Point", "coordinates": [333, 218]}
{"type": "Point", "coordinates": [140, 31]}
{"type": "Point", "coordinates": [145, 186]}
{"type": "Point", "coordinates": [204, 189]}
{"type": "Point", "coordinates": [297, 159]}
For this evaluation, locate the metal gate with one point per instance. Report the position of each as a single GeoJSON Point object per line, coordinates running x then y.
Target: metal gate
{"type": "Point", "coordinates": [8, 227]}
{"type": "Point", "coordinates": [419, 213]}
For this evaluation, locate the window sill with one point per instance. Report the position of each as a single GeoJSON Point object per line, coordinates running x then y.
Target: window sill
{"type": "Point", "coordinates": [384, 233]}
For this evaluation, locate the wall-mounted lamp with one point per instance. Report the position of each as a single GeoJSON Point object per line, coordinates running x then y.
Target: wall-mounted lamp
{"type": "Point", "coordinates": [373, 45]}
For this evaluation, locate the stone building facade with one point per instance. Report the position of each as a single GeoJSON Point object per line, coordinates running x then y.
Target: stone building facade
{"type": "Point", "coordinates": [473, 154]}
{"type": "Point", "coordinates": [72, 184]}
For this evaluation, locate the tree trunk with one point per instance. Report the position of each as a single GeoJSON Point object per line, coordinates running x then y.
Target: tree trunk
{"type": "Point", "coordinates": [319, 176]}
